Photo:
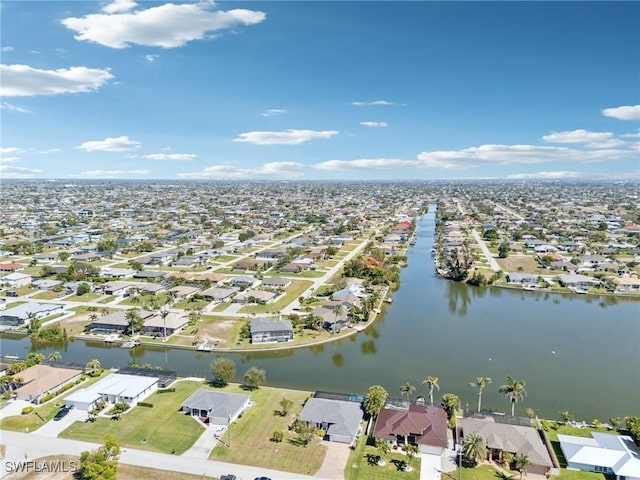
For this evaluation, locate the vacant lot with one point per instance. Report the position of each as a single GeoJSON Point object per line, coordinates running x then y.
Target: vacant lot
{"type": "Point", "coordinates": [248, 441]}
{"type": "Point", "coordinates": [527, 262]}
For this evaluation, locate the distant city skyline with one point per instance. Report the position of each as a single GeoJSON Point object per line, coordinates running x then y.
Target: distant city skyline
{"type": "Point", "coordinates": [320, 90]}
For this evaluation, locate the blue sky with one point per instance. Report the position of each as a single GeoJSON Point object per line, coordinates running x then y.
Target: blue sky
{"type": "Point", "coordinates": [320, 90]}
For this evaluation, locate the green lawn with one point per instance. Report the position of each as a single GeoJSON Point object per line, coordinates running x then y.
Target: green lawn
{"type": "Point", "coordinates": [191, 304]}
{"type": "Point", "coordinates": [162, 428]}
{"type": "Point", "coordinates": [250, 436]}
{"type": "Point", "coordinates": [481, 472]}
{"type": "Point", "coordinates": [359, 467]}
{"type": "Point", "coordinates": [221, 307]}
{"type": "Point", "coordinates": [43, 413]}
{"type": "Point", "coordinates": [87, 297]}
{"type": "Point", "coordinates": [45, 295]}
{"type": "Point", "coordinates": [293, 292]}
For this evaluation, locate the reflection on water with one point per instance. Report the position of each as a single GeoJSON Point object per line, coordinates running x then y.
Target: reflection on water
{"type": "Point", "coordinates": [459, 298]}
{"type": "Point", "coordinates": [337, 359]}
{"type": "Point", "coordinates": [368, 347]}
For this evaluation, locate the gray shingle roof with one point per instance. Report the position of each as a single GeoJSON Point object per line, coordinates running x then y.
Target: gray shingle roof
{"type": "Point", "coordinates": [218, 404]}
{"type": "Point", "coordinates": [343, 417]}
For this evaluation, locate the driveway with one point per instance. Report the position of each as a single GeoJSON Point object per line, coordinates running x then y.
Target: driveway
{"type": "Point", "coordinates": [203, 446]}
{"type": "Point", "coordinates": [53, 428]}
{"type": "Point", "coordinates": [335, 461]}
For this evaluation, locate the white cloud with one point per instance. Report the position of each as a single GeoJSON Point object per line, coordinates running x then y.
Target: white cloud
{"type": "Point", "coordinates": [9, 171]}
{"type": "Point", "coordinates": [9, 159]}
{"type": "Point", "coordinates": [288, 137]}
{"type": "Point", "coordinates": [166, 26]}
{"type": "Point", "coordinates": [375, 124]}
{"type": "Point", "coordinates": [577, 136]}
{"type": "Point", "coordinates": [272, 112]}
{"type": "Point", "coordinates": [10, 150]}
{"type": "Point", "coordinates": [367, 164]}
{"type": "Point", "coordinates": [111, 173]}
{"type": "Point", "coordinates": [151, 58]}
{"type": "Point", "coordinates": [119, 6]}
{"type": "Point", "coordinates": [24, 81]}
{"type": "Point", "coordinates": [515, 155]}
{"type": "Point", "coordinates": [274, 170]}
{"type": "Point", "coordinates": [13, 108]}
{"type": "Point", "coordinates": [545, 175]}
{"type": "Point", "coordinates": [6, 49]}
{"type": "Point", "coordinates": [375, 103]}
{"type": "Point", "coordinates": [171, 156]}
{"type": "Point", "coordinates": [627, 112]}
{"type": "Point", "coordinates": [630, 135]}
{"type": "Point", "coordinates": [110, 144]}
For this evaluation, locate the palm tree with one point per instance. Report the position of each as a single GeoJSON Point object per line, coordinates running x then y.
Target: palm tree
{"type": "Point", "coordinates": [407, 389]}
{"type": "Point", "coordinates": [410, 450]}
{"type": "Point", "coordinates": [480, 383]}
{"type": "Point", "coordinates": [474, 447]}
{"type": "Point", "coordinates": [383, 447]}
{"type": "Point", "coordinates": [93, 317]}
{"type": "Point", "coordinates": [514, 391]}
{"type": "Point", "coordinates": [521, 462]}
{"type": "Point", "coordinates": [133, 317]}
{"type": "Point", "coordinates": [164, 314]}
{"type": "Point", "coordinates": [54, 356]}
{"type": "Point", "coordinates": [433, 383]}
{"type": "Point", "coordinates": [92, 365]}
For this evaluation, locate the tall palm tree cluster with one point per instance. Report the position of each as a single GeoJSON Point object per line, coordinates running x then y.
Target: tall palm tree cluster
{"type": "Point", "coordinates": [513, 390]}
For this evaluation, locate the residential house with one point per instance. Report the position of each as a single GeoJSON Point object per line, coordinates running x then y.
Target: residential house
{"type": "Point", "coordinates": [16, 280]}
{"type": "Point", "coordinates": [116, 288]}
{"type": "Point", "coordinates": [219, 294]}
{"type": "Point", "coordinates": [502, 437]}
{"type": "Point", "coordinates": [580, 281]}
{"type": "Point", "coordinates": [183, 291]}
{"type": "Point", "coordinates": [627, 284]}
{"type": "Point", "coordinates": [11, 267]}
{"type": "Point", "coordinates": [266, 330]}
{"type": "Point", "coordinates": [117, 272]}
{"type": "Point", "coordinates": [172, 323]}
{"type": "Point", "coordinates": [115, 322]}
{"type": "Point", "coordinates": [333, 320]}
{"type": "Point", "coordinates": [602, 453]}
{"type": "Point", "coordinates": [22, 314]}
{"type": "Point", "coordinates": [244, 281]}
{"type": "Point", "coordinates": [522, 278]}
{"type": "Point", "coordinates": [276, 282]}
{"type": "Point", "coordinates": [420, 425]}
{"type": "Point", "coordinates": [219, 408]}
{"type": "Point", "coordinates": [114, 388]}
{"type": "Point", "coordinates": [341, 420]}
{"type": "Point", "coordinates": [39, 380]}
{"type": "Point", "coordinates": [45, 284]}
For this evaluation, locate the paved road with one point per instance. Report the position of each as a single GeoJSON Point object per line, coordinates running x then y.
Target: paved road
{"type": "Point", "coordinates": [21, 446]}
{"type": "Point", "coordinates": [492, 261]}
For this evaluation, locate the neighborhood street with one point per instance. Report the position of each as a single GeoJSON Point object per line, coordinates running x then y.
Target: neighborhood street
{"type": "Point", "coordinates": [21, 447]}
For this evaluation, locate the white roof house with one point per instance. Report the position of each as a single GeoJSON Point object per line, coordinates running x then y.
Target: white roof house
{"type": "Point", "coordinates": [604, 453]}
{"type": "Point", "coordinates": [114, 388]}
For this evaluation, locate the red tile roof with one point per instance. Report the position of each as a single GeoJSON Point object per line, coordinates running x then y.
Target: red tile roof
{"type": "Point", "coordinates": [427, 424]}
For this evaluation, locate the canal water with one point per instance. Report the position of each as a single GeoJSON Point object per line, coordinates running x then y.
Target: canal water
{"type": "Point", "coordinates": [575, 352]}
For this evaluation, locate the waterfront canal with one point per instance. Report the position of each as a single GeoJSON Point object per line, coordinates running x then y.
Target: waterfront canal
{"type": "Point", "coordinates": [576, 352]}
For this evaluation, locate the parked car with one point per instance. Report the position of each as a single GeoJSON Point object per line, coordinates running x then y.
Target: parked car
{"type": "Point", "coordinates": [61, 413]}
{"type": "Point", "coordinates": [228, 477]}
